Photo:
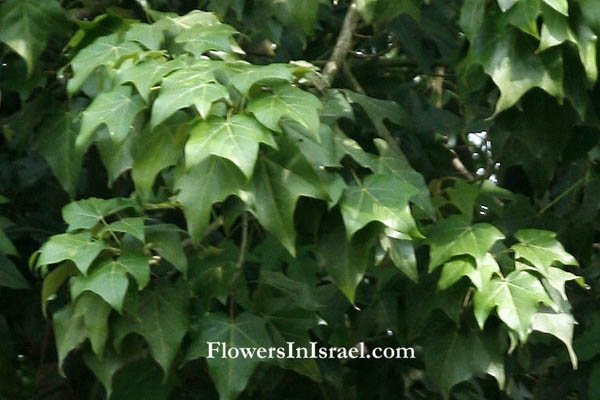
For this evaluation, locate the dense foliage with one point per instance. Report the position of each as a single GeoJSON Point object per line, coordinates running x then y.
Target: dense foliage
{"type": "Point", "coordinates": [387, 172]}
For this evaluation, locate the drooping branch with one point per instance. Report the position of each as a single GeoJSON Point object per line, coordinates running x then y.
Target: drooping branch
{"type": "Point", "coordinates": [342, 46]}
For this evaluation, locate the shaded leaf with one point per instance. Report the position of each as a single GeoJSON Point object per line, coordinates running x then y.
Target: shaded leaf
{"type": "Point", "coordinates": [160, 316]}
{"type": "Point", "coordinates": [276, 189]}
{"type": "Point", "coordinates": [55, 141]}
{"type": "Point", "coordinates": [26, 25]}
{"type": "Point", "coordinates": [154, 150]}
{"type": "Point", "coordinates": [95, 314]}
{"type": "Point", "coordinates": [454, 355]}
{"type": "Point", "coordinates": [230, 375]}
{"type": "Point", "coordinates": [211, 181]}
{"type": "Point", "coordinates": [560, 325]}
{"type": "Point", "coordinates": [10, 276]}
{"type": "Point", "coordinates": [346, 262]}
{"type": "Point", "coordinates": [54, 280]}
{"type": "Point", "coordinates": [166, 241]}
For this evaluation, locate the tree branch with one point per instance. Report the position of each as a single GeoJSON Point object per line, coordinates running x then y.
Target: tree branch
{"type": "Point", "coordinates": [342, 46]}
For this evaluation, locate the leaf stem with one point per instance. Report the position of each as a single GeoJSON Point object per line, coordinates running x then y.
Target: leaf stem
{"type": "Point", "coordinates": [563, 194]}
{"type": "Point", "coordinates": [112, 234]}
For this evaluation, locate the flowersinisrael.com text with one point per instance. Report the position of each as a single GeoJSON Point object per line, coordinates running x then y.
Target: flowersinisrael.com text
{"type": "Point", "coordinates": [221, 350]}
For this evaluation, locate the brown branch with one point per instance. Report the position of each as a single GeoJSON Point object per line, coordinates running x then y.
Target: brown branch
{"type": "Point", "coordinates": [438, 88]}
{"type": "Point", "coordinates": [354, 83]}
{"type": "Point", "coordinates": [342, 46]}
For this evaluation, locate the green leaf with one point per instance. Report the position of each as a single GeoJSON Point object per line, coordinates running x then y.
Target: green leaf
{"type": "Point", "coordinates": [108, 279]}
{"type": "Point", "coordinates": [154, 150]}
{"type": "Point", "coordinates": [382, 198]}
{"type": "Point", "coordinates": [54, 280]}
{"type": "Point", "coordinates": [149, 72]}
{"type": "Point", "coordinates": [304, 12]}
{"type": "Point", "coordinates": [454, 355]}
{"type": "Point", "coordinates": [77, 247]}
{"type": "Point", "coordinates": [166, 241]}
{"type": "Point", "coordinates": [562, 6]}
{"type": "Point", "coordinates": [211, 181]}
{"type": "Point", "coordinates": [245, 75]}
{"type": "Point", "coordinates": [346, 262]}
{"type": "Point", "coordinates": [323, 153]}
{"type": "Point", "coordinates": [472, 15]}
{"type": "Point", "coordinates": [160, 316]}
{"type": "Point", "coordinates": [541, 249]}
{"type": "Point", "coordinates": [95, 314]}
{"type": "Point", "coordinates": [134, 226]}
{"type": "Point", "coordinates": [455, 236]}
{"type": "Point", "coordinates": [479, 272]}
{"type": "Point", "coordinates": [69, 333]}
{"type": "Point", "coordinates": [515, 69]}
{"type": "Point", "coordinates": [106, 50]}
{"type": "Point", "coordinates": [276, 188]}
{"type": "Point", "coordinates": [300, 293]}
{"type": "Point", "coordinates": [229, 375]}
{"type": "Point", "coordinates": [463, 196]}
{"type": "Point", "coordinates": [391, 163]}
{"type": "Point", "coordinates": [516, 298]}
{"type": "Point", "coordinates": [134, 261]}
{"type": "Point", "coordinates": [506, 4]}
{"type": "Point", "coordinates": [55, 141]}
{"type": "Point", "coordinates": [558, 278]}
{"type": "Point", "coordinates": [560, 325]}
{"type": "Point", "coordinates": [379, 110]}
{"type": "Point", "coordinates": [181, 89]}
{"type": "Point", "coordinates": [587, 46]}
{"type": "Point", "coordinates": [402, 254]}
{"type": "Point", "coordinates": [10, 276]}
{"type": "Point", "coordinates": [85, 214]}
{"type": "Point", "coordinates": [106, 368]}
{"type": "Point", "coordinates": [149, 36]}
{"type": "Point", "coordinates": [26, 25]}
{"type": "Point", "coordinates": [116, 157]}
{"type": "Point", "coordinates": [366, 9]}
{"type": "Point", "coordinates": [286, 101]}
{"type": "Point", "coordinates": [294, 325]}
{"type": "Point", "coordinates": [236, 138]}
{"type": "Point", "coordinates": [6, 245]}
{"type": "Point", "coordinates": [200, 39]}
{"type": "Point", "coordinates": [555, 30]}
{"type": "Point", "coordinates": [594, 382]}
{"type": "Point", "coordinates": [116, 109]}
{"type": "Point", "coordinates": [524, 16]}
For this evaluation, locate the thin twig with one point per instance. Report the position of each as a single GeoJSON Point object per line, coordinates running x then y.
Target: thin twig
{"type": "Point", "coordinates": [354, 84]}
{"type": "Point", "coordinates": [438, 88]}
{"type": "Point", "coordinates": [244, 244]}
{"type": "Point", "coordinates": [343, 44]}
{"type": "Point", "coordinates": [563, 194]}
